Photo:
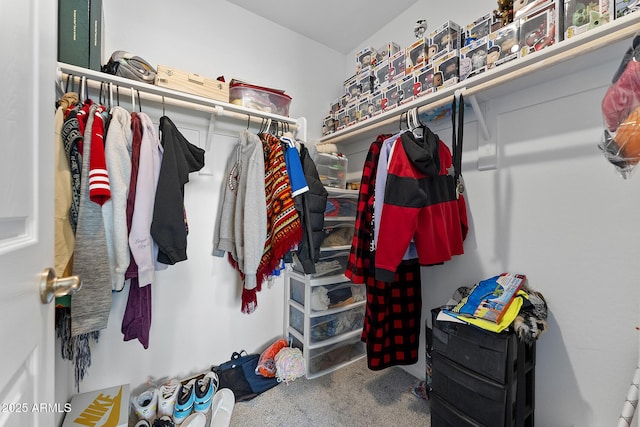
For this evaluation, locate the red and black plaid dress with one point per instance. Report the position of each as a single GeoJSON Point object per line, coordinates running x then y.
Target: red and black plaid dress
{"type": "Point", "coordinates": [392, 318]}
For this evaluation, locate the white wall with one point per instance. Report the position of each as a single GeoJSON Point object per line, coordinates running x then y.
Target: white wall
{"type": "Point", "coordinates": [555, 210]}
{"type": "Point", "coordinates": [196, 303]}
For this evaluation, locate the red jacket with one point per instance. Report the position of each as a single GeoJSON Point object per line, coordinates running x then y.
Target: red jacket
{"type": "Point", "coordinates": [420, 202]}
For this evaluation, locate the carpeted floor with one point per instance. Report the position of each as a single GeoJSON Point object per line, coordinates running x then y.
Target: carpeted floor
{"type": "Point", "coordinates": [353, 396]}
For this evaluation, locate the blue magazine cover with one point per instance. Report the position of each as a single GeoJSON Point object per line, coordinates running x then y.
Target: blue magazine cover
{"type": "Point", "coordinates": [490, 298]}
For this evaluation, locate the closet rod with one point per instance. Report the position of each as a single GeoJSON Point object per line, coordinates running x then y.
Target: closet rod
{"type": "Point", "coordinates": [168, 96]}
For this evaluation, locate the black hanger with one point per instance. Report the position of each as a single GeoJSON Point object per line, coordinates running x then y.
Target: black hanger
{"type": "Point", "coordinates": [401, 121]}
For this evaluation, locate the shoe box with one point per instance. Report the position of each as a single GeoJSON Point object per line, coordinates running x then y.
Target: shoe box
{"type": "Point", "coordinates": [480, 378]}
{"type": "Point", "coordinates": [109, 406]}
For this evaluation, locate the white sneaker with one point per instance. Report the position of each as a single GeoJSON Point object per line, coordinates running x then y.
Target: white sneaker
{"type": "Point", "coordinates": [197, 419]}
{"type": "Point", "coordinates": [145, 405]}
{"type": "Point", "coordinates": [222, 407]}
{"type": "Point", "coordinates": [167, 394]}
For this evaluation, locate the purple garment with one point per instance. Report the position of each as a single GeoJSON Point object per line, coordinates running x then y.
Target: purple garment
{"type": "Point", "coordinates": [136, 322]}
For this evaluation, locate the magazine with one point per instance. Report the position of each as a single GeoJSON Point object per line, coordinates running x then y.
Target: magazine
{"type": "Point", "coordinates": [489, 299]}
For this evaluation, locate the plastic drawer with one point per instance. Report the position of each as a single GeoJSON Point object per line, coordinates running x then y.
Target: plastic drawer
{"type": "Point", "coordinates": [481, 351]}
{"type": "Point", "coordinates": [341, 205]}
{"type": "Point", "coordinates": [333, 356]}
{"type": "Point", "coordinates": [444, 415]}
{"type": "Point", "coordinates": [332, 262]}
{"type": "Point", "coordinates": [337, 293]}
{"type": "Point", "coordinates": [335, 324]}
{"type": "Point", "coordinates": [332, 170]}
{"type": "Point", "coordinates": [296, 319]}
{"type": "Point", "coordinates": [491, 403]}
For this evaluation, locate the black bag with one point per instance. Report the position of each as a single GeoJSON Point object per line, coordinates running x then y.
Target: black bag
{"type": "Point", "coordinates": [239, 375]}
{"type": "Point", "coordinates": [130, 66]}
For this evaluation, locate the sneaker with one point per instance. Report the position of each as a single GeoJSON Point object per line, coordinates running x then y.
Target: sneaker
{"type": "Point", "coordinates": [184, 402]}
{"type": "Point", "coordinates": [205, 388]}
{"type": "Point", "coordinates": [222, 408]}
{"type": "Point", "coordinates": [167, 394]}
{"type": "Point", "coordinates": [146, 404]}
{"type": "Point", "coordinates": [197, 419]}
{"type": "Point", "coordinates": [164, 421]}
{"type": "Point", "coordinates": [143, 423]}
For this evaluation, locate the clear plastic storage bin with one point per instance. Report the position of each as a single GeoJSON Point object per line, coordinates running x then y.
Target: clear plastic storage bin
{"type": "Point", "coordinates": [259, 98]}
{"type": "Point", "coordinates": [332, 170]}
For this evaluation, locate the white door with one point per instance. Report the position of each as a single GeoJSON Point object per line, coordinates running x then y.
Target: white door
{"type": "Point", "coordinates": [27, 76]}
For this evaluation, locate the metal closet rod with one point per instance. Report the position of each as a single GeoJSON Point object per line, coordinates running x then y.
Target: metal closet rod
{"type": "Point", "coordinates": [162, 95]}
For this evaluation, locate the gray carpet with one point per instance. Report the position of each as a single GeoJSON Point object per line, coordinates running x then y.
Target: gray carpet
{"type": "Point", "coordinates": [353, 396]}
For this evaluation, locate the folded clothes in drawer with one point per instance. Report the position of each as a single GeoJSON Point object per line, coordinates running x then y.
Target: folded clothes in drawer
{"type": "Point", "coordinates": [331, 325]}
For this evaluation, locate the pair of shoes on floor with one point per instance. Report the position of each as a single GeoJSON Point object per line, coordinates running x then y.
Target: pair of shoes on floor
{"type": "Point", "coordinates": [164, 421]}
{"type": "Point", "coordinates": [156, 402]}
{"type": "Point", "coordinates": [195, 396]}
{"type": "Point", "coordinates": [222, 407]}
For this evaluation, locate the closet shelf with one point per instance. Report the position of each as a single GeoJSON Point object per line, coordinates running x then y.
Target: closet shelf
{"type": "Point", "coordinates": [160, 94]}
{"type": "Point", "coordinates": [564, 57]}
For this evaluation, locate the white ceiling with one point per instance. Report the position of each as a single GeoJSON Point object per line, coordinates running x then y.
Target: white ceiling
{"type": "Point", "coordinates": [342, 25]}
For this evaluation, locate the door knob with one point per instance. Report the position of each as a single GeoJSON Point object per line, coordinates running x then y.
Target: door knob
{"type": "Point", "coordinates": [52, 286]}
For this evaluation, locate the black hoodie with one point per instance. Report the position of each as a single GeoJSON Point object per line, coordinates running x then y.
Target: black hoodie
{"type": "Point", "coordinates": [169, 226]}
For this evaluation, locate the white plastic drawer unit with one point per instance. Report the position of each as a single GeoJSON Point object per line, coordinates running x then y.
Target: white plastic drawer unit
{"type": "Point", "coordinates": [324, 317]}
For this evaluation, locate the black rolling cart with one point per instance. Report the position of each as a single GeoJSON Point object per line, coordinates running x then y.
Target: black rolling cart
{"type": "Point", "coordinates": [480, 378]}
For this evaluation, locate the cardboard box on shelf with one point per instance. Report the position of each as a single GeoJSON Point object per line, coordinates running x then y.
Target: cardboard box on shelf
{"type": "Point", "coordinates": [539, 29]}
{"type": "Point", "coordinates": [196, 84]}
{"type": "Point", "coordinates": [581, 16]}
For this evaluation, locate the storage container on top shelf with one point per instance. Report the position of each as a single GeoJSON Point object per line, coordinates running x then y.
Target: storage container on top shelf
{"type": "Point", "coordinates": [259, 98]}
{"type": "Point", "coordinates": [332, 169]}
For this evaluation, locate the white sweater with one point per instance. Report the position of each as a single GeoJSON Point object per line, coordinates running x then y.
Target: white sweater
{"type": "Point", "coordinates": [143, 248]}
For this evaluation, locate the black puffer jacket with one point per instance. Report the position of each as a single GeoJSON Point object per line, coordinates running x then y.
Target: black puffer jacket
{"type": "Point", "coordinates": [311, 206]}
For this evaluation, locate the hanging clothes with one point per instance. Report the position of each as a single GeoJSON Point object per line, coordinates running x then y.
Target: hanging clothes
{"type": "Point", "coordinates": [386, 153]}
{"type": "Point", "coordinates": [297, 177]}
{"type": "Point", "coordinates": [392, 316]}
{"type": "Point", "coordinates": [90, 308]}
{"type": "Point", "coordinates": [168, 227]}
{"type": "Point", "coordinates": [76, 349]}
{"type": "Point", "coordinates": [64, 235]}
{"type": "Point", "coordinates": [241, 224]}
{"type": "Point", "coordinates": [420, 203]}
{"type": "Point", "coordinates": [311, 206]}
{"type": "Point", "coordinates": [114, 211]}
{"type": "Point", "coordinates": [146, 159]}
{"type": "Point", "coordinates": [284, 230]}
{"type": "Point", "coordinates": [143, 248]}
